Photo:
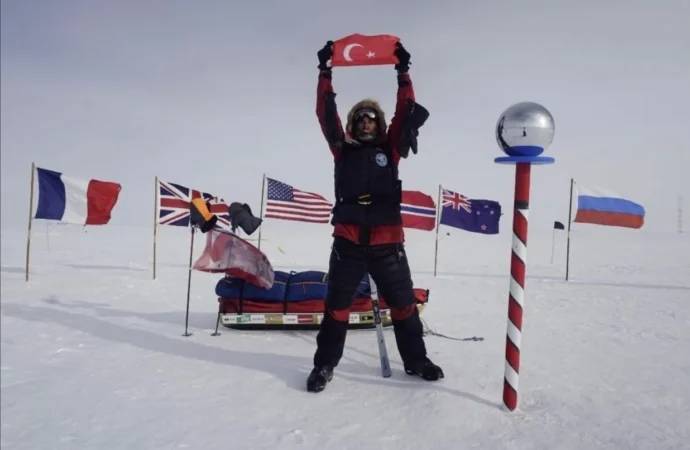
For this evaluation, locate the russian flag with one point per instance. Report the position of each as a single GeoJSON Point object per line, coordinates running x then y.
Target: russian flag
{"type": "Point", "coordinates": [73, 200]}
{"type": "Point", "coordinates": [418, 210]}
{"type": "Point", "coordinates": [603, 207]}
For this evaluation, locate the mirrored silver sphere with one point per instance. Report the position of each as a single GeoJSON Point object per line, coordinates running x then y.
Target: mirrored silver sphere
{"type": "Point", "coordinates": [525, 129]}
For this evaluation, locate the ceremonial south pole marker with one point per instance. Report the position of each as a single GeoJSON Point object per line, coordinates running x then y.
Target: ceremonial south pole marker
{"type": "Point", "coordinates": [523, 132]}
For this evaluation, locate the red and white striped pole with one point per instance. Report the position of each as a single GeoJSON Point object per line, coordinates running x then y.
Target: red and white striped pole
{"type": "Point", "coordinates": [516, 296]}
{"type": "Point", "coordinates": [523, 132]}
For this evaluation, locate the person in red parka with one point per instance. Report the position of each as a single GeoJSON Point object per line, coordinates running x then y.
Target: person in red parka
{"type": "Point", "coordinates": [368, 236]}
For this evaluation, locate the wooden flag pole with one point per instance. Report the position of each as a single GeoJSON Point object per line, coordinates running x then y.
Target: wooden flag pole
{"type": "Point", "coordinates": [155, 224]}
{"type": "Point", "coordinates": [31, 209]}
{"type": "Point", "coordinates": [438, 224]}
{"type": "Point", "coordinates": [570, 214]}
{"type": "Point", "coordinates": [261, 214]}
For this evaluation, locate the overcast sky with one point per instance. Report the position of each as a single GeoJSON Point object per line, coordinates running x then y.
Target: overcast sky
{"type": "Point", "coordinates": [213, 94]}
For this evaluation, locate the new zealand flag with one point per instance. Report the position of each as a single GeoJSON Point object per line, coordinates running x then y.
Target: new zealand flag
{"type": "Point", "coordinates": [474, 215]}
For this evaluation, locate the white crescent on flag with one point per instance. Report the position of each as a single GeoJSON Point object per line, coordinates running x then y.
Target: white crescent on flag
{"type": "Point", "coordinates": [348, 48]}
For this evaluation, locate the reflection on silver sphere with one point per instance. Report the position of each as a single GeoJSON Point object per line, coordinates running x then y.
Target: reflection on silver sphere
{"type": "Point", "coordinates": [525, 129]}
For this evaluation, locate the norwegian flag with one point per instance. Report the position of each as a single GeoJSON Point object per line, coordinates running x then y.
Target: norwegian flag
{"type": "Point", "coordinates": [174, 201]}
{"type": "Point", "coordinates": [418, 210]}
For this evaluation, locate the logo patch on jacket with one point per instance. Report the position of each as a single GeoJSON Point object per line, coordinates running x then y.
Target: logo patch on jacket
{"type": "Point", "coordinates": [381, 159]}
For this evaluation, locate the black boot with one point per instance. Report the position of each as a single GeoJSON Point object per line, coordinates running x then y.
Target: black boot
{"type": "Point", "coordinates": [425, 369]}
{"type": "Point", "coordinates": [318, 378]}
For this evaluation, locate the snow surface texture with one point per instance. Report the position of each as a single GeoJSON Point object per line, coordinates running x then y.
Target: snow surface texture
{"type": "Point", "coordinates": [93, 356]}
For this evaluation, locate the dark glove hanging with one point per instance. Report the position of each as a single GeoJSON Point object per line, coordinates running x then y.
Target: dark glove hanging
{"type": "Point", "coordinates": [415, 117]}
{"type": "Point", "coordinates": [403, 58]}
{"type": "Point", "coordinates": [324, 55]}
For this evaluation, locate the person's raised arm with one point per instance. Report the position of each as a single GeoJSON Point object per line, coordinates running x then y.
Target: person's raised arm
{"type": "Point", "coordinates": [405, 95]}
{"type": "Point", "coordinates": [409, 115]}
{"type": "Point", "coordinates": [326, 110]}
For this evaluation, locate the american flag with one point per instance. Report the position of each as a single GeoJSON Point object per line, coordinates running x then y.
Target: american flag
{"type": "Point", "coordinates": [174, 201]}
{"type": "Point", "coordinates": [287, 203]}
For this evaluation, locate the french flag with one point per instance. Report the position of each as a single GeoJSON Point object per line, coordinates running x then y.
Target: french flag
{"type": "Point", "coordinates": [603, 207]}
{"type": "Point", "coordinates": [73, 200]}
{"type": "Point", "coordinates": [418, 210]}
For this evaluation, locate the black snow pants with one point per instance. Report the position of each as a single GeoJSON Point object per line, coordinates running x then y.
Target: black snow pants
{"type": "Point", "coordinates": [387, 264]}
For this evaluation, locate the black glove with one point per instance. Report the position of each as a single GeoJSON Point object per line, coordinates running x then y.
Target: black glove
{"type": "Point", "coordinates": [324, 55]}
{"type": "Point", "coordinates": [415, 117]}
{"type": "Point", "coordinates": [403, 57]}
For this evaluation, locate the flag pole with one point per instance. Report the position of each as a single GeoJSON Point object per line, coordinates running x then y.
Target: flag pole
{"type": "Point", "coordinates": [438, 223]}
{"type": "Point", "coordinates": [31, 209]}
{"type": "Point", "coordinates": [155, 224]}
{"type": "Point", "coordinates": [553, 241]}
{"type": "Point", "coordinates": [189, 281]}
{"type": "Point", "coordinates": [680, 214]}
{"type": "Point", "coordinates": [261, 215]}
{"type": "Point", "coordinates": [570, 213]}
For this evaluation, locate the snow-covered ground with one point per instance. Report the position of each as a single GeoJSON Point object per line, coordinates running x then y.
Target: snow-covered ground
{"type": "Point", "coordinates": [93, 355]}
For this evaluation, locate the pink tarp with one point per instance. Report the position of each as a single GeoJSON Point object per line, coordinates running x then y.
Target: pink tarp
{"type": "Point", "coordinates": [230, 254]}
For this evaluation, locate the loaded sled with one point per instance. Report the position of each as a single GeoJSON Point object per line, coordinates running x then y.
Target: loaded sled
{"type": "Point", "coordinates": [294, 301]}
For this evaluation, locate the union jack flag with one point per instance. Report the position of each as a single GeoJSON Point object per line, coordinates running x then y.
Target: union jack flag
{"type": "Point", "coordinates": [174, 201]}
{"type": "Point", "coordinates": [456, 201]}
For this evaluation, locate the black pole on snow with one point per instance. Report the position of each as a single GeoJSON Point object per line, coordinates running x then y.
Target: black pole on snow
{"type": "Point", "coordinates": [189, 283]}
{"type": "Point", "coordinates": [216, 333]}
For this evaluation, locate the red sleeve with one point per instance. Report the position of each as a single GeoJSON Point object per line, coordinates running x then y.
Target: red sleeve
{"type": "Point", "coordinates": [405, 92]}
{"type": "Point", "coordinates": [330, 123]}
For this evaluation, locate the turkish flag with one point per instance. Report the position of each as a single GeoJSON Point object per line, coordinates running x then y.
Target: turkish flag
{"type": "Point", "coordinates": [362, 50]}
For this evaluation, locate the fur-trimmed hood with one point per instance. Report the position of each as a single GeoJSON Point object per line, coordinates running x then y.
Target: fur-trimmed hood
{"type": "Point", "coordinates": [367, 103]}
